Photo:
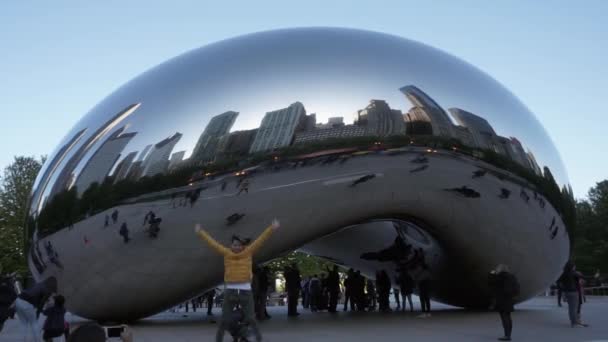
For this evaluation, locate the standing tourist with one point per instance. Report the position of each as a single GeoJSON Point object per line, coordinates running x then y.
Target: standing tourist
{"type": "Point", "coordinates": [569, 282]}
{"type": "Point", "coordinates": [237, 277]}
{"type": "Point", "coordinates": [424, 289]}
{"type": "Point", "coordinates": [505, 288]}
{"type": "Point", "coordinates": [292, 283]}
{"type": "Point", "coordinates": [30, 302]}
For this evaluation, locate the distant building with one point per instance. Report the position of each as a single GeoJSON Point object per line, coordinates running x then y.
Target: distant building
{"type": "Point", "coordinates": [176, 159]}
{"type": "Point", "coordinates": [417, 122]}
{"type": "Point", "coordinates": [65, 178]}
{"type": "Point", "coordinates": [310, 122]}
{"type": "Point", "coordinates": [123, 167]}
{"type": "Point", "coordinates": [278, 128]}
{"type": "Point", "coordinates": [378, 117]}
{"type": "Point", "coordinates": [52, 165]}
{"type": "Point", "coordinates": [519, 154]}
{"type": "Point", "coordinates": [532, 160]}
{"type": "Point", "coordinates": [483, 134]}
{"type": "Point", "coordinates": [348, 131]}
{"type": "Point", "coordinates": [333, 122]}
{"type": "Point", "coordinates": [98, 167]}
{"type": "Point", "coordinates": [440, 121]}
{"type": "Point", "coordinates": [218, 126]}
{"type": "Point", "coordinates": [236, 143]}
{"type": "Point", "coordinates": [157, 160]}
{"type": "Point", "coordinates": [464, 135]}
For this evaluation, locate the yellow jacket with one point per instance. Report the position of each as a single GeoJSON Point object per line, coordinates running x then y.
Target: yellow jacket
{"type": "Point", "coordinates": [237, 266]}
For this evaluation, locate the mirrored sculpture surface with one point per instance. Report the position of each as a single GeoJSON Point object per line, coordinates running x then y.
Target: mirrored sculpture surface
{"type": "Point", "coordinates": [374, 151]}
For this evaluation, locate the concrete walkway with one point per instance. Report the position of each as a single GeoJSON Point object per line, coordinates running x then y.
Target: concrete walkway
{"type": "Point", "coordinates": [536, 320]}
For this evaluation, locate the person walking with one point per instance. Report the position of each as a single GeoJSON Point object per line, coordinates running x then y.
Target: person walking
{"type": "Point", "coordinates": [406, 286]}
{"type": "Point", "coordinates": [30, 302]}
{"type": "Point", "coordinates": [314, 288]}
{"type": "Point", "coordinates": [505, 288]}
{"type": "Point", "coordinates": [54, 325]}
{"type": "Point", "coordinates": [424, 289]}
{"type": "Point", "coordinates": [348, 289]}
{"type": "Point", "coordinates": [292, 284]}
{"type": "Point", "coordinates": [569, 282]}
{"type": "Point", "coordinates": [371, 293]}
{"type": "Point", "coordinates": [209, 297]}
{"type": "Point", "coordinates": [237, 277]}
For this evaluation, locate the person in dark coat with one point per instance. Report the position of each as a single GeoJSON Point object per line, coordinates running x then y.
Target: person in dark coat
{"type": "Point", "coordinates": [54, 325]}
{"type": "Point", "coordinates": [406, 286]}
{"type": "Point", "coordinates": [315, 289]}
{"type": "Point", "coordinates": [359, 291]}
{"type": "Point", "coordinates": [424, 290]}
{"type": "Point", "coordinates": [348, 289]}
{"type": "Point", "coordinates": [29, 305]}
{"type": "Point", "coordinates": [7, 298]}
{"type": "Point", "coordinates": [292, 284]}
{"type": "Point", "coordinates": [505, 288]}
{"type": "Point", "coordinates": [383, 285]}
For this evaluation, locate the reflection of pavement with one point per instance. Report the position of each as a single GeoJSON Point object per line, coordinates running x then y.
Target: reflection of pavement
{"type": "Point", "coordinates": [311, 201]}
{"type": "Point", "coordinates": [536, 320]}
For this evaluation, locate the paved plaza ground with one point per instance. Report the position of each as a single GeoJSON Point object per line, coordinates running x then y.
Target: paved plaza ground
{"type": "Point", "coordinates": [536, 320]}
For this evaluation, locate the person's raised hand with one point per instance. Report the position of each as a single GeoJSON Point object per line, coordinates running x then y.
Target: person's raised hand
{"type": "Point", "coordinates": [197, 228]}
{"type": "Point", "coordinates": [275, 224]}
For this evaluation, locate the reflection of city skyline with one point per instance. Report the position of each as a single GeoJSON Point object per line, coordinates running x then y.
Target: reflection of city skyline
{"type": "Point", "coordinates": [279, 128]}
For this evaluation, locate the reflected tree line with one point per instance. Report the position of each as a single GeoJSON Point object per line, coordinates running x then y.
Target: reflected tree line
{"type": "Point", "coordinates": [67, 208]}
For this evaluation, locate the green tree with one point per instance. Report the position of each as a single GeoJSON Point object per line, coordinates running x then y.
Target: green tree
{"type": "Point", "coordinates": [15, 188]}
{"type": "Point", "coordinates": [590, 247]}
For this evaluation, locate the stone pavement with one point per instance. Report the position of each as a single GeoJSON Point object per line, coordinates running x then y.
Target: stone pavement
{"type": "Point", "coordinates": [536, 320]}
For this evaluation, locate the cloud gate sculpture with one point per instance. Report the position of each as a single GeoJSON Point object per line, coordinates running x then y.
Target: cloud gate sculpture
{"type": "Point", "coordinates": [374, 151]}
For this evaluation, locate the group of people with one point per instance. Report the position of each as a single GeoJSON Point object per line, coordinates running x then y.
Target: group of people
{"type": "Point", "coordinates": [29, 304]}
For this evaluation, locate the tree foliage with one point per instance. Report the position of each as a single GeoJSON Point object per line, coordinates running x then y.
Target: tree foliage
{"type": "Point", "coordinates": [15, 188]}
{"type": "Point", "coordinates": [590, 250]}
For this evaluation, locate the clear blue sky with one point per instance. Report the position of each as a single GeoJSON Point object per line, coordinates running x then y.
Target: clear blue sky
{"type": "Point", "coordinates": [59, 58]}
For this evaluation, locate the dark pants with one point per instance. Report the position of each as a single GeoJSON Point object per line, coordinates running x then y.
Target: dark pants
{"type": "Point", "coordinates": [425, 300]}
{"type": "Point", "coordinates": [507, 323]}
{"type": "Point", "coordinates": [209, 304]}
{"type": "Point", "coordinates": [333, 299]}
{"type": "Point", "coordinates": [292, 301]}
{"type": "Point", "coordinates": [232, 299]}
{"type": "Point", "coordinates": [396, 294]}
{"type": "Point", "coordinates": [348, 297]}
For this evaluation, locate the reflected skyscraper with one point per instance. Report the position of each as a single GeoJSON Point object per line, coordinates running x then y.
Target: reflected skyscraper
{"type": "Point", "coordinates": [426, 108]}
{"type": "Point", "coordinates": [381, 119]}
{"type": "Point", "coordinates": [481, 130]}
{"type": "Point", "coordinates": [65, 177]}
{"type": "Point", "coordinates": [278, 127]}
{"type": "Point", "coordinates": [101, 162]}
{"type": "Point", "coordinates": [123, 166]}
{"type": "Point", "coordinates": [158, 159]}
{"type": "Point", "coordinates": [176, 159]}
{"type": "Point", "coordinates": [236, 143]}
{"type": "Point", "coordinates": [206, 145]}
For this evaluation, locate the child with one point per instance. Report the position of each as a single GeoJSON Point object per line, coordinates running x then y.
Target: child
{"type": "Point", "coordinates": [54, 326]}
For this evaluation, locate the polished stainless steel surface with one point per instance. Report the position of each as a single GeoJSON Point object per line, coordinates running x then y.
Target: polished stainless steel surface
{"type": "Point", "coordinates": [361, 143]}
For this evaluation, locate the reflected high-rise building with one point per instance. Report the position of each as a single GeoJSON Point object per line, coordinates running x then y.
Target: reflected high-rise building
{"type": "Point", "coordinates": [381, 119]}
{"type": "Point", "coordinates": [158, 159]}
{"type": "Point", "coordinates": [136, 169]}
{"type": "Point", "coordinates": [534, 164]}
{"type": "Point", "coordinates": [519, 154]}
{"type": "Point", "coordinates": [123, 167]}
{"type": "Point", "coordinates": [101, 162]}
{"type": "Point", "coordinates": [278, 128]}
{"type": "Point", "coordinates": [236, 143]}
{"type": "Point", "coordinates": [217, 127]}
{"type": "Point", "coordinates": [53, 164]}
{"type": "Point", "coordinates": [481, 130]}
{"type": "Point", "coordinates": [425, 108]}
{"type": "Point", "coordinates": [176, 159]}
{"type": "Point", "coordinates": [64, 179]}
